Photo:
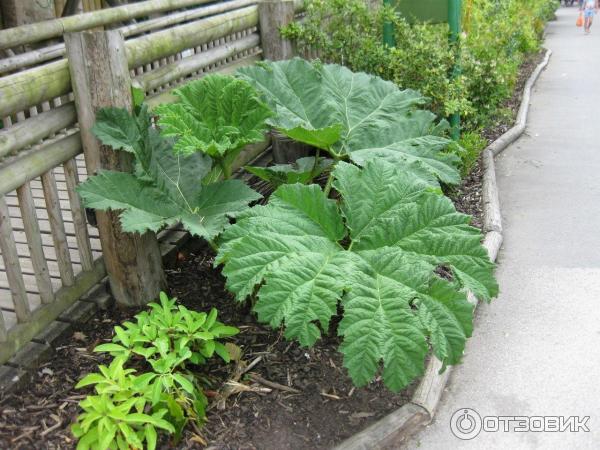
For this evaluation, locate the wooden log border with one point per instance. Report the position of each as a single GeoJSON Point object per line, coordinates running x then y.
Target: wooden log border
{"type": "Point", "coordinates": [395, 429]}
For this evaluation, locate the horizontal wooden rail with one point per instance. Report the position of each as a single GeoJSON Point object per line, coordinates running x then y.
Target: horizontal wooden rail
{"type": "Point", "coordinates": [184, 16]}
{"type": "Point", "coordinates": [230, 68]}
{"type": "Point", "coordinates": [32, 165]}
{"type": "Point", "coordinates": [29, 58]}
{"type": "Point", "coordinates": [58, 50]}
{"type": "Point", "coordinates": [22, 90]}
{"type": "Point", "coordinates": [168, 42]}
{"type": "Point", "coordinates": [180, 69]}
{"type": "Point", "coordinates": [31, 87]}
{"type": "Point", "coordinates": [27, 34]}
{"type": "Point", "coordinates": [34, 129]}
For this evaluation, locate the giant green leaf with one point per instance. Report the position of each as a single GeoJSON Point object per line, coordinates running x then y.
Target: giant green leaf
{"type": "Point", "coordinates": [376, 252]}
{"type": "Point", "coordinates": [353, 114]}
{"type": "Point", "coordinates": [217, 115]}
{"type": "Point", "coordinates": [166, 188]}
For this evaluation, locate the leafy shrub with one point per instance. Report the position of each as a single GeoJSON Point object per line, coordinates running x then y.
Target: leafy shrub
{"type": "Point", "coordinates": [127, 409]}
{"type": "Point", "coordinates": [497, 36]}
{"type": "Point", "coordinates": [166, 187]}
{"type": "Point", "coordinates": [349, 32]}
{"type": "Point", "coordinates": [376, 251]}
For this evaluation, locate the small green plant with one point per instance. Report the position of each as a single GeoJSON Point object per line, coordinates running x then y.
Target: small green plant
{"type": "Point", "coordinates": [170, 333]}
{"type": "Point", "coordinates": [121, 415]}
{"type": "Point", "coordinates": [470, 146]}
{"type": "Point", "coordinates": [127, 408]}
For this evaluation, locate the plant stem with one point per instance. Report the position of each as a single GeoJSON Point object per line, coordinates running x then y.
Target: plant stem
{"type": "Point", "coordinates": [213, 245]}
{"type": "Point", "coordinates": [329, 183]}
{"type": "Point", "coordinates": [314, 168]}
{"type": "Point", "coordinates": [226, 169]}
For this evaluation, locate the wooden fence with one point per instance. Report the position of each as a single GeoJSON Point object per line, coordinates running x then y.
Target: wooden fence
{"type": "Point", "coordinates": [50, 254]}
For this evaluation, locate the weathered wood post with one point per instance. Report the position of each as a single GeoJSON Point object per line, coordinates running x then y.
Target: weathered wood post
{"type": "Point", "coordinates": [100, 78]}
{"type": "Point", "coordinates": [272, 16]}
{"type": "Point", "coordinates": [21, 12]}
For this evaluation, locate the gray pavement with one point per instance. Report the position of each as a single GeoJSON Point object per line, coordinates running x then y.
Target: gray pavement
{"type": "Point", "coordinates": [536, 348]}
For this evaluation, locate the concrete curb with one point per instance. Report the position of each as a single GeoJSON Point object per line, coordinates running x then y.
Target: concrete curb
{"type": "Point", "coordinates": [396, 428]}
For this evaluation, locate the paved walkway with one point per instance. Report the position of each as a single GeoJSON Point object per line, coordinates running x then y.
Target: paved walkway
{"type": "Point", "coordinates": [536, 349]}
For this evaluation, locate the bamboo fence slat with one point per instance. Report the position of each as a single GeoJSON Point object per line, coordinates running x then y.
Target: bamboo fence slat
{"type": "Point", "coordinates": [79, 222]}
{"type": "Point", "coordinates": [34, 239]}
{"type": "Point", "coordinates": [13, 269]}
{"type": "Point", "coordinates": [58, 229]}
{"type": "Point", "coordinates": [187, 66]}
{"type": "Point", "coordinates": [36, 128]}
{"type": "Point", "coordinates": [34, 164]}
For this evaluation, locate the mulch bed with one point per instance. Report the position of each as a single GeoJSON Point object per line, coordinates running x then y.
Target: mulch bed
{"type": "Point", "coordinates": [325, 410]}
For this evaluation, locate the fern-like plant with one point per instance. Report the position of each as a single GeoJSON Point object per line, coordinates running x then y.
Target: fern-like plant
{"type": "Point", "coordinates": [377, 251]}
{"type": "Point", "coordinates": [167, 187]}
{"type": "Point", "coordinates": [216, 115]}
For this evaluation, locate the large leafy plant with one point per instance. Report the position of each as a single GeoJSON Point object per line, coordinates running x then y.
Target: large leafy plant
{"type": "Point", "coordinates": [167, 187]}
{"type": "Point", "coordinates": [216, 115]}
{"type": "Point", "coordinates": [354, 116]}
{"type": "Point", "coordinates": [378, 252]}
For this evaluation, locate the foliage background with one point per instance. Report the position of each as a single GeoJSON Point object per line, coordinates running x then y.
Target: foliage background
{"type": "Point", "coordinates": [497, 37]}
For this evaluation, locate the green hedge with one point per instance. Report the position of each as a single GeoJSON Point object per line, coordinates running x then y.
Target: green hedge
{"type": "Point", "coordinates": [497, 37]}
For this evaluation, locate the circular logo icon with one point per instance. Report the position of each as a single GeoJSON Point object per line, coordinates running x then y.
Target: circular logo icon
{"type": "Point", "coordinates": [465, 424]}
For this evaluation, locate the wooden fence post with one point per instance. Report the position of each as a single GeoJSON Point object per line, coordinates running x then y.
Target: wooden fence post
{"type": "Point", "coordinates": [100, 78]}
{"type": "Point", "coordinates": [21, 12]}
{"type": "Point", "coordinates": [272, 15]}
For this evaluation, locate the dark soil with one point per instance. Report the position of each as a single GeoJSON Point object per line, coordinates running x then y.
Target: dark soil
{"type": "Point", "coordinates": [467, 198]}
{"type": "Point", "coordinates": [326, 410]}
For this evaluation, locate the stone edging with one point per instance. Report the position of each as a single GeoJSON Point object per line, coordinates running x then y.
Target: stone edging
{"type": "Point", "coordinates": [396, 428]}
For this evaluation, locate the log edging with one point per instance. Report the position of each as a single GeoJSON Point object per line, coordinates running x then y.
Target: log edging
{"type": "Point", "coordinates": [394, 430]}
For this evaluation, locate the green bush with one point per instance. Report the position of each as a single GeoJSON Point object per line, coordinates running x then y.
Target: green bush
{"type": "Point", "coordinates": [349, 32]}
{"type": "Point", "coordinates": [127, 410]}
{"type": "Point", "coordinates": [497, 37]}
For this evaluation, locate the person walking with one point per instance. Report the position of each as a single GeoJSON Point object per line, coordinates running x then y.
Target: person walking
{"type": "Point", "coordinates": [589, 9]}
